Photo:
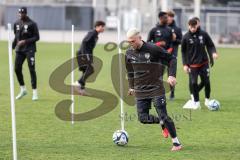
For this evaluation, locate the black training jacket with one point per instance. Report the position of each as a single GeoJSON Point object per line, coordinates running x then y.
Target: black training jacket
{"type": "Point", "coordinates": [178, 31]}
{"type": "Point", "coordinates": [145, 69]}
{"type": "Point", "coordinates": [161, 33]}
{"type": "Point", "coordinates": [25, 30]}
{"type": "Point", "coordinates": [89, 42]}
{"type": "Point", "coordinates": [197, 47]}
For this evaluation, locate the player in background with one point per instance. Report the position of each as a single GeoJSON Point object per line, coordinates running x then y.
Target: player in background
{"type": "Point", "coordinates": [178, 32]}
{"type": "Point", "coordinates": [85, 55]}
{"type": "Point", "coordinates": [201, 84]}
{"type": "Point", "coordinates": [26, 35]}
{"type": "Point", "coordinates": [161, 35]}
{"type": "Point", "coordinates": [198, 51]}
{"type": "Point", "coordinates": [144, 63]}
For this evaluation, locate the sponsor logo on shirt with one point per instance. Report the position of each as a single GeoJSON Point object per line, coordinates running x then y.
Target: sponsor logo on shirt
{"type": "Point", "coordinates": [25, 28]}
{"type": "Point", "coordinates": [147, 55]}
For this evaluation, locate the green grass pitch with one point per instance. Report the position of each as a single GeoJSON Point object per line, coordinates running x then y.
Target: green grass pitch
{"type": "Point", "coordinates": [41, 135]}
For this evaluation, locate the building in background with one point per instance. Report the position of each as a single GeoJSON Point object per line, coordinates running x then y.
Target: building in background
{"type": "Point", "coordinates": [220, 18]}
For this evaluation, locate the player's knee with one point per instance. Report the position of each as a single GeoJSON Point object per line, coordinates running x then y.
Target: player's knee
{"type": "Point", "coordinates": [17, 69]}
{"type": "Point", "coordinates": [206, 81]}
{"type": "Point", "coordinates": [32, 70]}
{"type": "Point", "coordinates": [165, 118]}
{"type": "Point", "coordinates": [143, 118]}
{"type": "Point", "coordinates": [169, 119]}
{"type": "Point", "coordinates": [194, 84]}
{"type": "Point", "coordinates": [160, 103]}
{"type": "Point", "coordinates": [194, 81]}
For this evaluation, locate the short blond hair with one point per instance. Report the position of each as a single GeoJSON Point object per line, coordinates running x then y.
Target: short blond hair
{"type": "Point", "coordinates": [171, 13]}
{"type": "Point", "coordinates": [132, 32]}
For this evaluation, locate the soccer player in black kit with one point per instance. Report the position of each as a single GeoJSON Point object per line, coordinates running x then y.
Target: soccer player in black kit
{"type": "Point", "coordinates": [85, 55]}
{"type": "Point", "coordinates": [178, 32]}
{"type": "Point", "coordinates": [162, 36]}
{"type": "Point", "coordinates": [198, 50]}
{"type": "Point", "coordinates": [201, 84]}
{"type": "Point", "coordinates": [145, 67]}
{"type": "Point", "coordinates": [26, 35]}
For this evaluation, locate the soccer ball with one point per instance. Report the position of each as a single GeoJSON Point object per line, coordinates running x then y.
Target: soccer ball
{"type": "Point", "coordinates": [213, 105]}
{"type": "Point", "coordinates": [120, 137]}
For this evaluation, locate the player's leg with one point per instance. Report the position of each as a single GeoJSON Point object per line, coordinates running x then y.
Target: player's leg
{"type": "Point", "coordinates": [194, 82]}
{"type": "Point", "coordinates": [19, 60]}
{"type": "Point", "coordinates": [205, 76]}
{"type": "Point", "coordinates": [201, 85]}
{"type": "Point", "coordinates": [165, 132]}
{"type": "Point", "coordinates": [190, 87]}
{"type": "Point", "coordinates": [85, 66]}
{"type": "Point", "coordinates": [172, 88]}
{"type": "Point", "coordinates": [143, 106]}
{"type": "Point", "coordinates": [160, 105]}
{"type": "Point", "coordinates": [31, 66]}
{"type": "Point", "coordinates": [81, 67]}
{"type": "Point", "coordinates": [87, 71]}
{"type": "Point", "coordinates": [83, 70]}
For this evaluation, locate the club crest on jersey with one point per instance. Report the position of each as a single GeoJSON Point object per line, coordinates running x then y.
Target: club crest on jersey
{"type": "Point", "coordinates": [147, 55]}
{"type": "Point", "coordinates": [191, 41]}
{"type": "Point", "coordinates": [25, 28]}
